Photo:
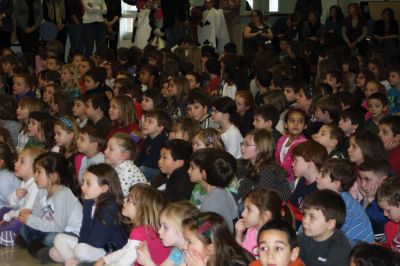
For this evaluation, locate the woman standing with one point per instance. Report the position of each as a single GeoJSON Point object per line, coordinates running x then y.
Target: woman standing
{"type": "Point", "coordinates": [111, 21]}
{"type": "Point", "coordinates": [28, 16]}
{"type": "Point", "coordinates": [354, 29]}
{"type": "Point", "coordinates": [6, 23]}
{"type": "Point", "coordinates": [333, 23]}
{"type": "Point", "coordinates": [94, 29]}
{"type": "Point", "coordinates": [56, 12]}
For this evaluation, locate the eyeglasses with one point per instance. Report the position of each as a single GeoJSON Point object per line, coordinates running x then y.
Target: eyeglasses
{"type": "Point", "coordinates": [243, 143]}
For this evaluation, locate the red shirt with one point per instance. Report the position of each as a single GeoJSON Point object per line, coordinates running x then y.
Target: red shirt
{"type": "Point", "coordinates": [132, 130]}
{"type": "Point", "coordinates": [394, 160]}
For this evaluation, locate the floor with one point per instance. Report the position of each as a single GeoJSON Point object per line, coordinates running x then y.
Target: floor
{"type": "Point", "coordinates": [18, 256]}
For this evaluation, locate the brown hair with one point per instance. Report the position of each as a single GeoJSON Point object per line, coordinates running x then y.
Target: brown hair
{"type": "Point", "coordinates": [342, 170]}
{"type": "Point", "coordinates": [390, 191]}
{"type": "Point", "coordinates": [311, 151]}
{"type": "Point", "coordinates": [126, 109]}
{"type": "Point", "coordinates": [127, 144]}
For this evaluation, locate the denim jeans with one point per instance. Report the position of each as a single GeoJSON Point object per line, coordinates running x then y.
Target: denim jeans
{"type": "Point", "coordinates": [149, 173]}
{"type": "Point", "coordinates": [174, 35]}
{"type": "Point", "coordinates": [30, 234]}
{"type": "Point", "coordinates": [76, 37]}
{"type": "Point", "coordinates": [93, 32]}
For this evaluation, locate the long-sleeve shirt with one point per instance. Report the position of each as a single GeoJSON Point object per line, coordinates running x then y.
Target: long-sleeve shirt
{"type": "Point", "coordinates": [94, 11]}
{"type": "Point", "coordinates": [25, 202]}
{"type": "Point", "coordinates": [9, 183]}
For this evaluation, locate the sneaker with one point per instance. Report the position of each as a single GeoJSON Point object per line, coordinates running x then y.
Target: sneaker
{"type": "Point", "coordinates": [20, 241]}
{"type": "Point", "coordinates": [34, 246]}
{"type": "Point", "coordinates": [43, 256]}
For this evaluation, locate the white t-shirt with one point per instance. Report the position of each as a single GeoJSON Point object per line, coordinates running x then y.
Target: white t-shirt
{"type": "Point", "coordinates": [232, 139]}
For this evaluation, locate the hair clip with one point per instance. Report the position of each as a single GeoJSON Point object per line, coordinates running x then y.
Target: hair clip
{"type": "Point", "coordinates": [66, 122]}
{"type": "Point", "coordinates": [204, 227]}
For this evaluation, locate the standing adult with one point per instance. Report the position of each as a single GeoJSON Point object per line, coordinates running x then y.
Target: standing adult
{"type": "Point", "coordinates": [6, 23]}
{"type": "Point", "coordinates": [28, 17]}
{"type": "Point", "coordinates": [56, 12]}
{"type": "Point", "coordinates": [304, 7]}
{"type": "Point", "coordinates": [94, 29]}
{"type": "Point", "coordinates": [354, 29]}
{"type": "Point", "coordinates": [112, 23]}
{"type": "Point", "coordinates": [75, 14]}
{"type": "Point", "coordinates": [176, 20]}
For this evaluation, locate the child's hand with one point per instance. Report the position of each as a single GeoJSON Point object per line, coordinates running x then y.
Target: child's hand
{"type": "Point", "coordinates": [3, 223]}
{"type": "Point", "coordinates": [71, 262]}
{"type": "Point", "coordinates": [24, 215]}
{"type": "Point", "coordinates": [370, 191]}
{"type": "Point", "coordinates": [100, 262]}
{"type": "Point", "coordinates": [390, 145]}
{"type": "Point", "coordinates": [143, 255]}
{"type": "Point", "coordinates": [193, 258]}
{"type": "Point", "coordinates": [239, 229]}
{"type": "Point", "coordinates": [20, 192]}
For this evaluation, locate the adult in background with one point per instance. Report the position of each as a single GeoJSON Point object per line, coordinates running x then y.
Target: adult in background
{"type": "Point", "coordinates": [354, 29]}
{"type": "Point", "coordinates": [75, 12]}
{"type": "Point", "coordinates": [56, 12]}
{"type": "Point", "coordinates": [176, 20]}
{"type": "Point", "coordinates": [94, 28]}
{"type": "Point", "coordinates": [6, 22]}
{"type": "Point", "coordinates": [111, 21]}
{"type": "Point", "coordinates": [304, 7]}
{"type": "Point", "coordinates": [28, 17]}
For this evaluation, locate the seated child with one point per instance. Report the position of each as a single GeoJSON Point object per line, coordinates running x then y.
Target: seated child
{"type": "Point", "coordinates": [267, 117]}
{"type": "Point", "coordinates": [327, 111]}
{"type": "Point", "coordinates": [23, 86]}
{"type": "Point", "coordinates": [339, 175]}
{"type": "Point", "coordinates": [197, 108]}
{"type": "Point", "coordinates": [173, 162]}
{"type": "Point", "coordinates": [371, 175]}
{"type": "Point", "coordinates": [156, 126]}
{"type": "Point", "coordinates": [245, 108]}
{"type": "Point", "coordinates": [322, 242]}
{"type": "Point", "coordinates": [351, 121]}
{"type": "Point", "coordinates": [184, 128]}
{"type": "Point", "coordinates": [90, 143]}
{"type": "Point", "coordinates": [335, 79]}
{"type": "Point", "coordinates": [308, 159]}
{"type": "Point", "coordinates": [79, 111]}
{"type": "Point", "coordinates": [389, 133]}
{"type": "Point", "coordinates": [365, 254]}
{"type": "Point", "coordinates": [377, 108]}
{"type": "Point", "coordinates": [331, 137]}
{"type": "Point", "coordinates": [96, 111]}
{"type": "Point", "coordinates": [394, 91]}
{"type": "Point", "coordinates": [279, 238]}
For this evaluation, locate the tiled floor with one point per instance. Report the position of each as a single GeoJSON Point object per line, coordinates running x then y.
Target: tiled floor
{"type": "Point", "coordinates": [18, 257]}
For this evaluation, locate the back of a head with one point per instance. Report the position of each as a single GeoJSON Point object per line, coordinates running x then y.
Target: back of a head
{"type": "Point", "coordinates": [364, 254]}
{"type": "Point", "coordinates": [311, 151]}
{"type": "Point", "coordinates": [283, 227]}
{"type": "Point", "coordinates": [341, 170]}
{"type": "Point", "coordinates": [180, 149]}
{"type": "Point", "coordinates": [220, 168]}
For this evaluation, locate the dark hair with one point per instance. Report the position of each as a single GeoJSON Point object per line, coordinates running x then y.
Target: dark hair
{"type": "Point", "coordinates": [390, 191]}
{"type": "Point", "coordinates": [7, 155]}
{"type": "Point", "coordinates": [8, 107]}
{"type": "Point", "coordinates": [180, 149]}
{"type": "Point", "coordinates": [365, 254]}
{"type": "Point", "coordinates": [197, 96]}
{"type": "Point", "coordinates": [99, 100]}
{"type": "Point", "coordinates": [128, 87]}
{"type": "Point", "coordinates": [230, 47]}
{"type": "Point", "coordinates": [380, 97]}
{"type": "Point", "coordinates": [331, 105]}
{"type": "Point", "coordinates": [268, 112]}
{"type": "Point", "coordinates": [341, 170]}
{"type": "Point", "coordinates": [162, 117]}
{"type": "Point", "coordinates": [227, 105]}
{"type": "Point", "coordinates": [352, 61]}
{"type": "Point", "coordinates": [64, 102]}
{"type": "Point", "coordinates": [94, 136]}
{"type": "Point", "coordinates": [98, 74]}
{"type": "Point", "coordinates": [311, 151]}
{"type": "Point", "coordinates": [356, 116]}
{"type": "Point", "coordinates": [393, 121]}
{"type": "Point", "coordinates": [345, 98]}
{"type": "Point", "coordinates": [390, 13]}
{"type": "Point", "coordinates": [371, 146]}
{"type": "Point", "coordinates": [299, 111]}
{"type": "Point", "coordinates": [220, 167]}
{"type": "Point", "coordinates": [213, 66]}
{"type": "Point", "coordinates": [377, 166]}
{"type": "Point", "coordinates": [92, 64]}
{"type": "Point", "coordinates": [329, 203]}
{"type": "Point", "coordinates": [52, 76]}
{"type": "Point", "coordinates": [336, 75]}
{"type": "Point", "coordinates": [188, 125]}
{"type": "Point", "coordinates": [283, 227]}
{"type": "Point", "coordinates": [155, 96]}
{"type": "Point", "coordinates": [336, 133]}
{"type": "Point", "coordinates": [339, 12]}
{"type": "Point", "coordinates": [263, 77]}
{"type": "Point", "coordinates": [30, 80]}
{"type": "Point", "coordinates": [199, 157]}
{"type": "Point", "coordinates": [259, 14]}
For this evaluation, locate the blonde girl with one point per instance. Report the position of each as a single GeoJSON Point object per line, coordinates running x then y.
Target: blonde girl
{"type": "Point", "coordinates": [69, 80]}
{"type": "Point", "coordinates": [207, 138]}
{"type": "Point", "coordinates": [142, 206]}
{"type": "Point", "coordinates": [120, 153]}
{"type": "Point", "coordinates": [25, 106]}
{"type": "Point", "coordinates": [260, 206]}
{"type": "Point", "coordinates": [184, 128]}
{"type": "Point", "coordinates": [171, 235]}
{"type": "Point", "coordinates": [123, 117]}
{"type": "Point", "coordinates": [66, 133]}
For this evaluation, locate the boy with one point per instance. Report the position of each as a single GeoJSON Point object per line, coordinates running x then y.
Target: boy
{"type": "Point", "coordinates": [389, 133]}
{"type": "Point", "coordinates": [322, 243]}
{"type": "Point", "coordinates": [371, 175]}
{"type": "Point", "coordinates": [194, 80]}
{"type": "Point", "coordinates": [85, 65]}
{"type": "Point", "coordinates": [94, 81]}
{"type": "Point", "coordinates": [388, 196]}
{"type": "Point", "coordinates": [53, 63]}
{"type": "Point", "coordinates": [213, 70]}
{"type": "Point", "coordinates": [96, 111]}
{"type": "Point", "coordinates": [351, 120]}
{"type": "Point", "coordinates": [79, 111]}
{"type": "Point", "coordinates": [308, 159]}
{"type": "Point", "coordinates": [339, 176]}
{"type": "Point", "coordinates": [23, 85]}
{"type": "Point", "coordinates": [51, 77]}
{"type": "Point", "coordinates": [394, 91]}
{"type": "Point", "coordinates": [327, 110]}
{"type": "Point", "coordinates": [291, 90]}
{"type": "Point", "coordinates": [331, 137]}
{"type": "Point", "coordinates": [197, 109]}
{"type": "Point", "coordinates": [173, 162]}
{"type": "Point", "coordinates": [277, 245]}
{"type": "Point", "coordinates": [377, 107]}
{"type": "Point", "coordinates": [335, 79]}
{"type": "Point", "coordinates": [155, 126]}
{"type": "Point", "coordinates": [267, 117]}
{"type": "Point", "coordinates": [263, 82]}
{"type": "Point", "coordinates": [90, 143]}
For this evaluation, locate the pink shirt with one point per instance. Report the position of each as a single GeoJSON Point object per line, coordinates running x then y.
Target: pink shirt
{"type": "Point", "coordinates": [250, 241]}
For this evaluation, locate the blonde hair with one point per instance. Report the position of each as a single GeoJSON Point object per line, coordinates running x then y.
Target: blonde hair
{"type": "Point", "coordinates": [127, 110]}
{"type": "Point", "coordinates": [33, 151]}
{"type": "Point", "coordinates": [178, 211]}
{"type": "Point", "coordinates": [127, 144]}
{"type": "Point", "coordinates": [33, 104]}
{"type": "Point", "coordinates": [74, 72]}
{"type": "Point", "coordinates": [211, 138]}
{"type": "Point", "coordinates": [149, 203]}
{"type": "Point", "coordinates": [69, 124]}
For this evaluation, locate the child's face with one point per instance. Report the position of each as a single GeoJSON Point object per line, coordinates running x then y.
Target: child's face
{"type": "Point", "coordinates": [84, 144]}
{"type": "Point", "coordinates": [83, 68]}
{"type": "Point", "coordinates": [360, 80]}
{"type": "Point", "coordinates": [323, 137]}
{"type": "Point", "coordinates": [193, 83]}
{"type": "Point", "coordinates": [369, 182]}
{"type": "Point", "coordinates": [316, 226]}
{"type": "Point", "coordinates": [172, 88]}
{"type": "Point", "coordinates": [195, 173]}
{"type": "Point", "coordinates": [354, 151]}
{"type": "Point", "coordinates": [300, 166]}
{"type": "Point", "coordinates": [345, 68]}
{"type": "Point", "coordinates": [390, 211]}
{"type": "Point", "coordinates": [302, 102]}
{"type": "Point", "coordinates": [147, 104]}
{"type": "Point", "coordinates": [48, 94]}
{"type": "Point", "coordinates": [20, 87]}
{"type": "Point", "coordinates": [394, 79]}
{"type": "Point", "coordinates": [41, 177]}
{"type": "Point", "coordinates": [390, 141]}
{"type": "Point", "coordinates": [324, 181]}
{"type": "Point", "coordinates": [195, 245]}
{"type": "Point", "coordinates": [346, 126]}
{"type": "Point", "coordinates": [170, 235]}
{"type": "Point", "coordinates": [217, 116]}
{"type": "Point", "coordinates": [251, 215]}
{"type": "Point", "coordinates": [198, 144]}
{"type": "Point", "coordinates": [295, 124]}
{"type": "Point", "coordinates": [116, 88]}
{"type": "Point", "coordinates": [62, 137]}
{"type": "Point", "coordinates": [329, 79]}
{"type": "Point", "coordinates": [241, 106]}
{"type": "Point", "coordinates": [197, 111]}
{"type": "Point", "coordinates": [91, 189]}
{"type": "Point", "coordinates": [51, 64]}
{"type": "Point", "coordinates": [7, 67]}
{"type": "Point", "coordinates": [114, 111]}
{"type": "Point", "coordinates": [376, 108]}
{"type": "Point", "coordinates": [144, 77]}
{"type": "Point", "coordinates": [22, 113]}
{"type": "Point", "coordinates": [33, 128]}
{"type": "Point", "coordinates": [370, 88]}
{"type": "Point", "coordinates": [178, 133]}
{"type": "Point", "coordinates": [166, 163]}
{"type": "Point", "coordinates": [23, 167]}
{"type": "Point", "coordinates": [290, 94]}
{"type": "Point", "coordinates": [79, 108]}
{"type": "Point", "coordinates": [89, 110]}
{"type": "Point", "coordinates": [322, 116]}
{"type": "Point", "coordinates": [114, 155]}
{"type": "Point", "coordinates": [248, 148]}
{"type": "Point", "coordinates": [66, 76]}
{"type": "Point", "coordinates": [260, 123]}
{"type": "Point", "coordinates": [374, 69]}
{"type": "Point", "coordinates": [77, 61]}
{"type": "Point", "coordinates": [150, 126]}
{"type": "Point", "coordinates": [165, 90]}
{"type": "Point", "coordinates": [90, 83]}
{"type": "Point", "coordinates": [129, 207]}
{"type": "Point", "coordinates": [274, 248]}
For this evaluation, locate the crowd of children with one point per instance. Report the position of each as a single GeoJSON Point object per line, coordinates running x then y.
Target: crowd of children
{"type": "Point", "coordinates": [158, 158]}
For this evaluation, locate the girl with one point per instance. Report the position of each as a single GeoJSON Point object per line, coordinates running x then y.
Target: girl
{"type": "Point", "coordinates": [260, 206]}
{"type": "Point", "coordinates": [207, 138]}
{"type": "Point", "coordinates": [245, 106]}
{"type": "Point", "coordinates": [376, 66]}
{"type": "Point", "coordinates": [171, 235]}
{"type": "Point", "coordinates": [177, 100]}
{"type": "Point", "coordinates": [66, 135]}
{"type": "Point", "coordinates": [142, 206]}
{"type": "Point", "coordinates": [62, 104]}
{"type": "Point", "coordinates": [48, 95]}
{"type": "Point", "coordinates": [152, 99]}
{"type": "Point", "coordinates": [25, 106]}
{"type": "Point", "coordinates": [262, 169]}
{"type": "Point", "coordinates": [184, 128]}
{"type": "Point", "coordinates": [40, 130]}
{"type": "Point", "coordinates": [364, 146]}
{"type": "Point", "coordinates": [210, 243]}
{"type": "Point", "coordinates": [5, 137]}
{"type": "Point", "coordinates": [296, 121]}
{"type": "Point", "coordinates": [306, 98]}
{"type": "Point", "coordinates": [224, 113]}
{"type": "Point", "coordinates": [277, 99]}
{"type": "Point", "coordinates": [79, 111]}
{"type": "Point", "coordinates": [69, 80]}
{"type": "Point", "coordinates": [120, 153]}
{"type": "Point", "coordinates": [8, 117]}
{"type": "Point", "coordinates": [22, 194]}
{"type": "Point", "coordinates": [148, 77]}
{"type": "Point", "coordinates": [371, 87]}
{"type": "Point", "coordinates": [59, 210]}
{"type": "Point", "coordinates": [101, 224]}
{"type": "Point", "coordinates": [123, 117]}
{"type": "Point", "coordinates": [360, 81]}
